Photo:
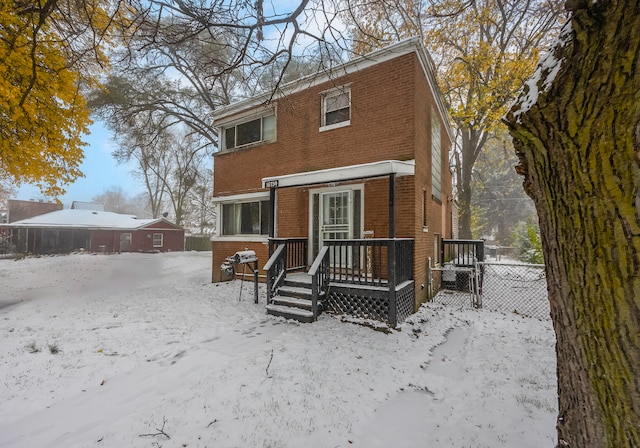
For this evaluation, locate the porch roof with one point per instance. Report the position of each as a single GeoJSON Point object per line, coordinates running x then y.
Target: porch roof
{"type": "Point", "coordinates": [343, 173]}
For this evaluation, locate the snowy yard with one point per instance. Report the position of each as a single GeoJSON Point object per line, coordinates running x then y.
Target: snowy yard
{"type": "Point", "coordinates": [138, 350]}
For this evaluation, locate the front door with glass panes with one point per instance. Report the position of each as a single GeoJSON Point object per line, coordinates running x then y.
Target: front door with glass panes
{"type": "Point", "coordinates": [336, 215]}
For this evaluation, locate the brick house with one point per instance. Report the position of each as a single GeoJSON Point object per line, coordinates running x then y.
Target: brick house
{"type": "Point", "coordinates": [343, 176]}
{"type": "Point", "coordinates": [65, 231]}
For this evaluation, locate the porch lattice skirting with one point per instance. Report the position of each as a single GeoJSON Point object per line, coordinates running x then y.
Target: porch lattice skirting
{"type": "Point", "coordinates": [370, 302]}
{"type": "Point", "coordinates": [405, 300]}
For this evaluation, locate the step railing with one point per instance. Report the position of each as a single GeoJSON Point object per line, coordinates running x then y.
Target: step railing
{"type": "Point", "coordinates": [296, 258]}
{"type": "Point", "coordinates": [276, 269]}
{"type": "Point", "coordinates": [319, 273]}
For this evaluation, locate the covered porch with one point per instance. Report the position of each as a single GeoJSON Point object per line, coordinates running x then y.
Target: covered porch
{"type": "Point", "coordinates": [336, 268]}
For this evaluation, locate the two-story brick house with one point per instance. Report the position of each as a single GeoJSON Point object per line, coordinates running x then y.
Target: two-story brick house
{"type": "Point", "coordinates": [348, 173]}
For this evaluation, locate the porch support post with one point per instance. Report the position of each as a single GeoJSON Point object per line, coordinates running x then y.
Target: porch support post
{"type": "Point", "coordinates": [272, 217]}
{"type": "Point", "coordinates": [391, 251]}
{"type": "Point", "coordinates": [392, 205]}
{"type": "Point", "coordinates": [391, 262]}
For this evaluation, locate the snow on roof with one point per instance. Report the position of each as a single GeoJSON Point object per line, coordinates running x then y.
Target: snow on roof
{"type": "Point", "coordinates": [78, 218]}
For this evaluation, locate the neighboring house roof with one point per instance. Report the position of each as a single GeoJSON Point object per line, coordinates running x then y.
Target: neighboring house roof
{"type": "Point", "coordinates": [401, 48]}
{"type": "Point", "coordinates": [88, 219]}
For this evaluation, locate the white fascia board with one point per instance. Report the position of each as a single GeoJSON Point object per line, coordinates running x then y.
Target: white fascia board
{"type": "Point", "coordinates": [344, 173]}
{"type": "Point", "coordinates": [242, 197]}
{"type": "Point", "coordinates": [240, 238]}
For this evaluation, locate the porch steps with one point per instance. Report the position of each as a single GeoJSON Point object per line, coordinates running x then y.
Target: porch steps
{"type": "Point", "coordinates": [290, 312]}
{"type": "Point", "coordinates": [305, 304]}
{"type": "Point", "coordinates": [295, 292]}
{"type": "Point", "coordinates": [293, 300]}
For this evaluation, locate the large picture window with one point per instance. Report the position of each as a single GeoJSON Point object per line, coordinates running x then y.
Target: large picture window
{"type": "Point", "coordinates": [253, 131]}
{"type": "Point", "coordinates": [245, 218]}
{"type": "Point", "coordinates": [336, 108]}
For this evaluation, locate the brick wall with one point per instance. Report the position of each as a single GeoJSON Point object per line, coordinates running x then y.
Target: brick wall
{"type": "Point", "coordinates": [19, 210]}
{"type": "Point", "coordinates": [438, 210]}
{"type": "Point", "coordinates": [141, 240]}
{"type": "Point", "coordinates": [381, 129]}
{"type": "Point", "coordinates": [391, 107]}
{"type": "Point", "coordinates": [220, 250]}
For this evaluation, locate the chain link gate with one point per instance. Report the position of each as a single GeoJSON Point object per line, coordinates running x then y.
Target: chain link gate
{"type": "Point", "coordinates": [509, 288]}
{"type": "Point", "coordinates": [515, 288]}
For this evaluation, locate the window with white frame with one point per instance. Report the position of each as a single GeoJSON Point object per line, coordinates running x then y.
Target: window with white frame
{"type": "Point", "coordinates": [245, 218]}
{"type": "Point", "coordinates": [436, 156]}
{"type": "Point", "coordinates": [158, 240]}
{"type": "Point", "coordinates": [425, 220]}
{"type": "Point", "coordinates": [262, 129]}
{"type": "Point", "coordinates": [336, 108]}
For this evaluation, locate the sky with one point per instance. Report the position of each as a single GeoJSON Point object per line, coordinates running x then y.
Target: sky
{"type": "Point", "coordinates": [101, 171]}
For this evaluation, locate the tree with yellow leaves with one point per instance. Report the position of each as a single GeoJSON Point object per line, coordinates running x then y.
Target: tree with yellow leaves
{"type": "Point", "coordinates": [49, 51]}
{"type": "Point", "coordinates": [484, 51]}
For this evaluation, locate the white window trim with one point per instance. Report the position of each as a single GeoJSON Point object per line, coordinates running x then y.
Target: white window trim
{"type": "Point", "coordinates": [218, 202]}
{"type": "Point", "coordinates": [425, 218]}
{"type": "Point", "coordinates": [245, 118]}
{"type": "Point", "coordinates": [323, 110]}
{"type": "Point", "coordinates": [436, 146]}
{"type": "Point", "coordinates": [161, 240]}
{"type": "Point", "coordinates": [342, 124]}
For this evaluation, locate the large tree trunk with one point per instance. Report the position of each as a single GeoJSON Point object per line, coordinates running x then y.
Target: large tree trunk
{"type": "Point", "coordinates": [579, 148]}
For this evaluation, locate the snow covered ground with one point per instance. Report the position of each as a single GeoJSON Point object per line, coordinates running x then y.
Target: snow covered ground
{"type": "Point", "coordinates": [138, 350]}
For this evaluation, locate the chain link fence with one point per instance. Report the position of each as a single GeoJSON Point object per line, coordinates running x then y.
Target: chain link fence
{"type": "Point", "coordinates": [509, 288]}
{"type": "Point", "coordinates": [7, 249]}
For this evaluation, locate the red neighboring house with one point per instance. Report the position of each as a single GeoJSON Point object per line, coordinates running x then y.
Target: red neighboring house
{"type": "Point", "coordinates": [341, 185]}
{"type": "Point", "coordinates": [69, 230]}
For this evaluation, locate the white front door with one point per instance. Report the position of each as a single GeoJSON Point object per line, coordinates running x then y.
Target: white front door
{"type": "Point", "coordinates": [334, 214]}
{"type": "Point", "coordinates": [336, 223]}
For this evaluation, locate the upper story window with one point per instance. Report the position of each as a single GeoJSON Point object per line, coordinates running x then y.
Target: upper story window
{"type": "Point", "coordinates": [261, 129]}
{"type": "Point", "coordinates": [336, 108]}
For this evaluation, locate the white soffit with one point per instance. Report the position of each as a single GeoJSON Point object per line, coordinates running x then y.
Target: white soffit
{"type": "Point", "coordinates": [242, 197]}
{"type": "Point", "coordinates": [343, 173]}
